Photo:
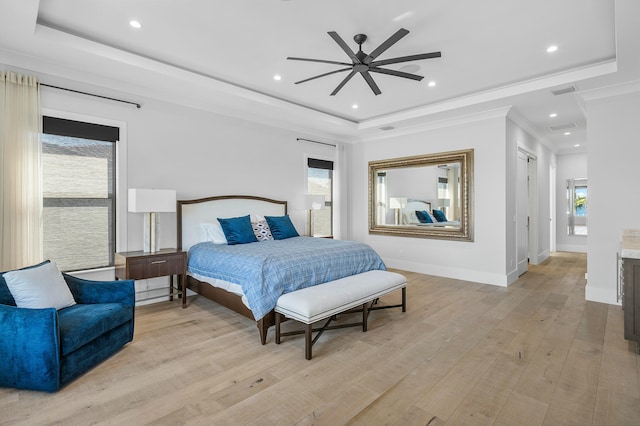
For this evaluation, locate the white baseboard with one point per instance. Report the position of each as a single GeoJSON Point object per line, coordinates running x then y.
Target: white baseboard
{"type": "Point", "coordinates": [572, 248]}
{"type": "Point", "coordinates": [481, 277]}
{"type": "Point", "coordinates": [602, 295]}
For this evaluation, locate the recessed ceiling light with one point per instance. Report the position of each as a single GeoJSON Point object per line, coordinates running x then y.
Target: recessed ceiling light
{"type": "Point", "coordinates": [431, 84]}
{"type": "Point", "coordinates": [567, 133]}
{"type": "Point", "coordinates": [354, 106]}
{"type": "Point", "coordinates": [403, 16]}
{"type": "Point", "coordinates": [577, 145]}
{"type": "Point", "coordinates": [135, 24]}
{"type": "Point", "coordinates": [553, 115]}
{"type": "Point", "coordinates": [277, 77]}
{"type": "Point", "coordinates": [552, 48]}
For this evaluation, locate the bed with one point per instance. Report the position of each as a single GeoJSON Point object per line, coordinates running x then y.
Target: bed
{"type": "Point", "coordinates": [248, 278]}
{"type": "Point", "coordinates": [409, 215]}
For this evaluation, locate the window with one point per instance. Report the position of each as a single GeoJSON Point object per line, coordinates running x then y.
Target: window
{"type": "Point", "coordinates": [320, 182]}
{"type": "Point", "coordinates": [577, 206]}
{"type": "Point", "coordinates": [78, 167]}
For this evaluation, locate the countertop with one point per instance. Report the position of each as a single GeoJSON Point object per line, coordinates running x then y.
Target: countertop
{"type": "Point", "coordinates": [630, 247]}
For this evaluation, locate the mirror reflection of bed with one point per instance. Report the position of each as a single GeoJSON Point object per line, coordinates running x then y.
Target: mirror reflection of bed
{"type": "Point", "coordinates": [410, 215]}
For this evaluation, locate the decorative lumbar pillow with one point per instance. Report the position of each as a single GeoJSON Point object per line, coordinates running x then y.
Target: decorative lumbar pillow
{"type": "Point", "coordinates": [281, 227]}
{"type": "Point", "coordinates": [423, 216]}
{"type": "Point", "coordinates": [212, 231]}
{"type": "Point", "coordinates": [39, 287]}
{"type": "Point", "coordinates": [238, 230]}
{"type": "Point", "coordinates": [261, 230]}
{"type": "Point", "coordinates": [440, 217]}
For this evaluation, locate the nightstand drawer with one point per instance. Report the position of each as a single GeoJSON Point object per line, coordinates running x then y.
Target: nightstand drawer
{"type": "Point", "coordinates": [157, 266]}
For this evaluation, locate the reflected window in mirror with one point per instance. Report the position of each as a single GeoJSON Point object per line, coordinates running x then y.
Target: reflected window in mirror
{"type": "Point", "coordinates": [426, 196]}
{"type": "Point", "coordinates": [577, 211]}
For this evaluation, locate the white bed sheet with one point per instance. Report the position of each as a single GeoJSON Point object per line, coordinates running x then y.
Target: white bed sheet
{"type": "Point", "coordinates": [224, 285]}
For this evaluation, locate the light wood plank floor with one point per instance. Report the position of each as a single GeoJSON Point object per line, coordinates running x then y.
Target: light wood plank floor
{"type": "Point", "coordinates": [463, 354]}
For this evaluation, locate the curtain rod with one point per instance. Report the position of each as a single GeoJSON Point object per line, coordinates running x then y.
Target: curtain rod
{"type": "Point", "coordinates": [92, 94]}
{"type": "Point", "coordinates": [321, 143]}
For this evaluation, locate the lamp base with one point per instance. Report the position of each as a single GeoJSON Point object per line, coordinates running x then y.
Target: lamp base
{"type": "Point", "coordinates": [151, 233]}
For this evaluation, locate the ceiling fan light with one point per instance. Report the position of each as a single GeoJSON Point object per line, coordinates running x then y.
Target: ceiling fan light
{"type": "Point", "coordinates": [410, 68]}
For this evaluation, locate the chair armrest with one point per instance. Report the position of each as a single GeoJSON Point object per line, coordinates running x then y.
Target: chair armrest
{"type": "Point", "coordinates": [89, 291]}
{"type": "Point", "coordinates": [29, 348]}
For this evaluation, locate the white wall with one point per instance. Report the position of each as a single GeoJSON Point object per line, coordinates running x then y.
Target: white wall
{"type": "Point", "coordinates": [569, 166]}
{"type": "Point", "coordinates": [482, 260]}
{"type": "Point", "coordinates": [518, 138]}
{"type": "Point", "coordinates": [200, 154]}
{"type": "Point", "coordinates": [614, 201]}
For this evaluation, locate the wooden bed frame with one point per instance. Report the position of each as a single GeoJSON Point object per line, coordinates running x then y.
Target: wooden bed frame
{"type": "Point", "coordinates": [190, 213]}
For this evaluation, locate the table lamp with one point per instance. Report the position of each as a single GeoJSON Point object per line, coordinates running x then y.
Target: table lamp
{"type": "Point", "coordinates": [397, 203]}
{"type": "Point", "coordinates": [150, 202]}
{"type": "Point", "coordinates": [313, 202]}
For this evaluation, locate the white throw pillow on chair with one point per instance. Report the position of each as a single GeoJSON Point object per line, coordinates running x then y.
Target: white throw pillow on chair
{"type": "Point", "coordinates": [39, 287]}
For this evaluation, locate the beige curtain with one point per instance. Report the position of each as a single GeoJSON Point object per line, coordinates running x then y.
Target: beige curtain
{"type": "Point", "coordinates": [20, 171]}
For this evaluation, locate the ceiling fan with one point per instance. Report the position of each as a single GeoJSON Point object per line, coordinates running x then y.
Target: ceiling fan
{"type": "Point", "coordinates": [364, 64]}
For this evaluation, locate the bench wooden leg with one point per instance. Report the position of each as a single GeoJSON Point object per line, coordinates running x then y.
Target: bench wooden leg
{"type": "Point", "coordinates": [307, 341]}
{"type": "Point", "coordinates": [278, 320]}
{"type": "Point", "coordinates": [365, 316]}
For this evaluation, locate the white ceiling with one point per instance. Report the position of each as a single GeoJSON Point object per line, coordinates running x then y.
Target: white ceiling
{"type": "Point", "coordinates": [222, 56]}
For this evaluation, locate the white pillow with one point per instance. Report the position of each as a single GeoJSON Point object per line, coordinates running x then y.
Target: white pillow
{"type": "Point", "coordinates": [410, 217]}
{"type": "Point", "coordinates": [255, 218]}
{"type": "Point", "coordinates": [212, 231]}
{"type": "Point", "coordinates": [39, 287]}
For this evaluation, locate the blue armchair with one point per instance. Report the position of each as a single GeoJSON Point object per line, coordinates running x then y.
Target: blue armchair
{"type": "Point", "coordinates": [44, 349]}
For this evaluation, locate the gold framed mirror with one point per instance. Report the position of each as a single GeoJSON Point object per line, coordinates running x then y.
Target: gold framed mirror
{"type": "Point", "coordinates": [423, 196]}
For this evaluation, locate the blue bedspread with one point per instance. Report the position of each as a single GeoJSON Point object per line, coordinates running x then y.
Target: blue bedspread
{"type": "Point", "coordinates": [265, 270]}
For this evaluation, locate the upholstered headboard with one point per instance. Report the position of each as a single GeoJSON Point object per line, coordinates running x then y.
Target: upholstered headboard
{"type": "Point", "coordinates": [409, 210]}
{"type": "Point", "coordinates": [191, 213]}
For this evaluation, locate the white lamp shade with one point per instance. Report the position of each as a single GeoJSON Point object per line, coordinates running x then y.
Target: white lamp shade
{"type": "Point", "coordinates": [152, 200]}
{"type": "Point", "coordinates": [314, 202]}
{"type": "Point", "coordinates": [397, 202]}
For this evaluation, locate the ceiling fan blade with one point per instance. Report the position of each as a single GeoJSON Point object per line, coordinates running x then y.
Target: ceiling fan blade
{"type": "Point", "coordinates": [292, 58]}
{"type": "Point", "coordinates": [334, 35]}
{"type": "Point", "coordinates": [367, 77]}
{"type": "Point", "coordinates": [396, 73]}
{"type": "Point", "coordinates": [343, 82]}
{"type": "Point", "coordinates": [322, 75]}
{"type": "Point", "coordinates": [387, 44]}
{"type": "Point", "coordinates": [406, 59]}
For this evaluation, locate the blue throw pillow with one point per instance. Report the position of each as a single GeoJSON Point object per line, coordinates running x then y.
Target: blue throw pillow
{"type": "Point", "coordinates": [238, 230]}
{"type": "Point", "coordinates": [423, 216]}
{"type": "Point", "coordinates": [439, 215]}
{"type": "Point", "coordinates": [281, 227]}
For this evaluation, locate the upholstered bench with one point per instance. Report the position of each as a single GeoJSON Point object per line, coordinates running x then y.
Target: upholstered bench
{"type": "Point", "coordinates": [324, 301]}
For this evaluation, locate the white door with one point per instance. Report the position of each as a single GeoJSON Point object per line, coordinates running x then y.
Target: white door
{"type": "Point", "coordinates": [522, 213]}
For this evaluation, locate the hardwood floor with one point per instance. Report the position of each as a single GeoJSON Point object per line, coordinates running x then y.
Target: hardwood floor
{"type": "Point", "coordinates": [463, 354]}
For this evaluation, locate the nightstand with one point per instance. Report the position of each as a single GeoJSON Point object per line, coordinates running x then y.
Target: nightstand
{"type": "Point", "coordinates": [138, 265]}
